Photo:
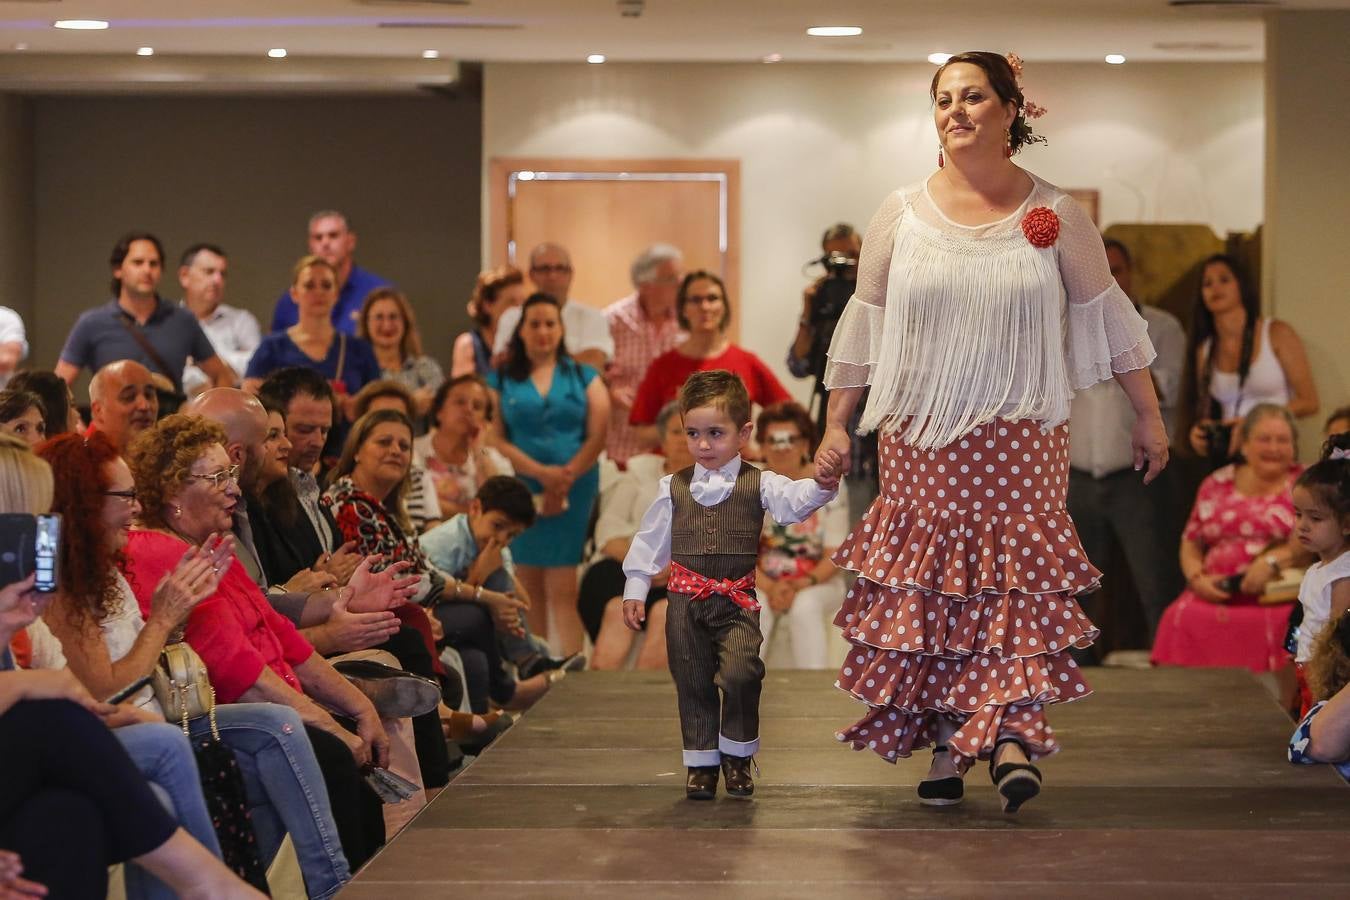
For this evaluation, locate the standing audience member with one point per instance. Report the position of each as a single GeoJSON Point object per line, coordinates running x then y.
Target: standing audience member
{"type": "Point", "coordinates": [797, 585]}
{"type": "Point", "coordinates": [123, 402]}
{"type": "Point", "coordinates": [233, 332]}
{"type": "Point", "coordinates": [644, 326]}
{"type": "Point", "coordinates": [1238, 539]}
{"type": "Point", "coordinates": [553, 411]}
{"type": "Point", "coordinates": [456, 453]}
{"type": "Point", "coordinates": [387, 321]}
{"type": "Point", "coordinates": [138, 324]}
{"type": "Point", "coordinates": [22, 415]}
{"type": "Point", "coordinates": [1105, 498]}
{"type": "Point", "coordinates": [58, 401]}
{"type": "Point", "coordinates": [600, 601]}
{"type": "Point", "coordinates": [332, 239]}
{"type": "Point", "coordinates": [1237, 359]}
{"type": "Point", "coordinates": [345, 360]}
{"type": "Point", "coordinates": [495, 291]}
{"type": "Point", "coordinates": [589, 341]}
{"type": "Point", "coordinates": [13, 343]}
{"type": "Point", "coordinates": [704, 311]}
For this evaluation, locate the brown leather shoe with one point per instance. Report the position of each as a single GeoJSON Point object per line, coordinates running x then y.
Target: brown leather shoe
{"type": "Point", "coordinates": [736, 770]}
{"type": "Point", "coordinates": [702, 783]}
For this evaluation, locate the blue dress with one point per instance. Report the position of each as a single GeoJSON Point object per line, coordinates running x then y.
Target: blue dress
{"type": "Point", "coordinates": [550, 430]}
{"type": "Point", "coordinates": [277, 351]}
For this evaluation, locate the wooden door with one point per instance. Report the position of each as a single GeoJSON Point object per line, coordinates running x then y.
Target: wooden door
{"type": "Point", "coordinates": [606, 212]}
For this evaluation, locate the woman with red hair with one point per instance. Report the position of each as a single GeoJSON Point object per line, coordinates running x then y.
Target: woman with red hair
{"type": "Point", "coordinates": [106, 644]}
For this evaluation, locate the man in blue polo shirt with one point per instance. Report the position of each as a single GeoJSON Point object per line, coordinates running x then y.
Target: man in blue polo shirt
{"type": "Point", "coordinates": [138, 324]}
{"type": "Point", "coordinates": [331, 239]}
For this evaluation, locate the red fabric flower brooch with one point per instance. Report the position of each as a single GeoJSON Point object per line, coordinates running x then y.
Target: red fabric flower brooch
{"type": "Point", "coordinates": [1041, 226]}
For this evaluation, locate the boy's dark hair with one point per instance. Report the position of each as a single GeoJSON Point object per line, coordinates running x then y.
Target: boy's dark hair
{"type": "Point", "coordinates": [719, 388]}
{"type": "Point", "coordinates": [508, 496]}
{"type": "Point", "coordinates": [1329, 479]}
{"type": "Point", "coordinates": [284, 385]}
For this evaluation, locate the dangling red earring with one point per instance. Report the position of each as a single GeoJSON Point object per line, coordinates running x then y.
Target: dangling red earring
{"type": "Point", "coordinates": [941, 162]}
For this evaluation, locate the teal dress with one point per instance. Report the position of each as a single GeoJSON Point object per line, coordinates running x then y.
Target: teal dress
{"type": "Point", "coordinates": [550, 430]}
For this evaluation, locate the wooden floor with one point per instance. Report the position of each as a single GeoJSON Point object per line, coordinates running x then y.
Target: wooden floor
{"type": "Point", "coordinates": [1173, 783]}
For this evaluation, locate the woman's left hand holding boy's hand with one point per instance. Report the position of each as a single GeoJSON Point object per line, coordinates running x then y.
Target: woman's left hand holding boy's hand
{"type": "Point", "coordinates": [829, 466]}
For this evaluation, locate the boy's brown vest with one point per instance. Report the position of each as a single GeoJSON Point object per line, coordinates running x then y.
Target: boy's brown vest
{"type": "Point", "coordinates": [720, 541]}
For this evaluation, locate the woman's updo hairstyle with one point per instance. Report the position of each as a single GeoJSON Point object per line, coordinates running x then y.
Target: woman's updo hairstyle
{"type": "Point", "coordinates": [1329, 479]}
{"type": "Point", "coordinates": [1003, 80]}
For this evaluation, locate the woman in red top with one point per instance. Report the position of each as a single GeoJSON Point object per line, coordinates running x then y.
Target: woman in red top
{"type": "Point", "coordinates": [704, 310]}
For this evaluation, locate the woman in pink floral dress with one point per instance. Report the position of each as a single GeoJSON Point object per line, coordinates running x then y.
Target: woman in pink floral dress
{"type": "Point", "coordinates": [1238, 538]}
{"type": "Point", "coordinates": [983, 301]}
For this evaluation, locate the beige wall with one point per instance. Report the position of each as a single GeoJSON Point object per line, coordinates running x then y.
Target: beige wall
{"type": "Point", "coordinates": [246, 173]}
{"type": "Point", "coordinates": [1305, 267]}
{"type": "Point", "coordinates": [820, 143]}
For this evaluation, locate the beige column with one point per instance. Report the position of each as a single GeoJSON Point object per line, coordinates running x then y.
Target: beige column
{"type": "Point", "coordinates": [1306, 247]}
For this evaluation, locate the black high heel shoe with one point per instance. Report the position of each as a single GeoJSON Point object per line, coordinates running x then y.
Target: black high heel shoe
{"type": "Point", "coordinates": [947, 791]}
{"type": "Point", "coordinates": [1017, 782]}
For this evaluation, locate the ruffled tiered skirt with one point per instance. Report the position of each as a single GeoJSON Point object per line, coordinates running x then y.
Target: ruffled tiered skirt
{"type": "Point", "coordinates": [967, 567]}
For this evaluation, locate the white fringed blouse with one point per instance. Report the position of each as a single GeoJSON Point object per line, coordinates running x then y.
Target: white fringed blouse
{"type": "Point", "coordinates": [955, 325]}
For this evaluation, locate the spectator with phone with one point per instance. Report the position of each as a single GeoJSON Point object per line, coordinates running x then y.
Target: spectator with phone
{"type": "Point", "coordinates": [1238, 539]}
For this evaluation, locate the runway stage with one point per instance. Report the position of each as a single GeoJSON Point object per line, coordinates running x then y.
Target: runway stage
{"type": "Point", "coordinates": [1173, 783]}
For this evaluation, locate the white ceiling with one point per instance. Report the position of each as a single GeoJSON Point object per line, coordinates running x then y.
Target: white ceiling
{"type": "Point", "coordinates": [667, 30]}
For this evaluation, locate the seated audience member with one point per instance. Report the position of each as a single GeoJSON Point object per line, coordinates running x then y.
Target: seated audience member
{"type": "Point", "coordinates": [600, 599]}
{"type": "Point", "coordinates": [1238, 538]}
{"type": "Point", "coordinates": [123, 402]}
{"type": "Point", "coordinates": [187, 489]}
{"type": "Point", "coordinates": [387, 321]}
{"type": "Point", "coordinates": [13, 343]}
{"type": "Point", "coordinates": [307, 403]}
{"type": "Point", "coordinates": [495, 291]}
{"type": "Point", "coordinates": [97, 631]}
{"type": "Point", "coordinates": [704, 310]}
{"type": "Point", "coordinates": [160, 751]}
{"type": "Point", "coordinates": [589, 340]}
{"type": "Point", "coordinates": [23, 415]}
{"type": "Point", "coordinates": [332, 239]}
{"type": "Point", "coordinates": [796, 581]}
{"type": "Point", "coordinates": [365, 497]}
{"type": "Point", "coordinates": [455, 453]}
{"type": "Point", "coordinates": [643, 326]}
{"type": "Point", "coordinates": [59, 414]}
{"type": "Point", "coordinates": [553, 411]}
{"type": "Point", "coordinates": [313, 341]}
{"type": "Point", "coordinates": [1237, 359]}
{"type": "Point", "coordinates": [233, 332]}
{"type": "Point", "coordinates": [138, 324]}
{"type": "Point", "coordinates": [1323, 736]}
{"type": "Point", "coordinates": [424, 509]}
{"type": "Point", "coordinates": [1337, 423]}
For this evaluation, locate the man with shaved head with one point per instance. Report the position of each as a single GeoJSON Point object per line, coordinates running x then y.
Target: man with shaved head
{"type": "Point", "coordinates": [585, 328]}
{"type": "Point", "coordinates": [332, 239]}
{"type": "Point", "coordinates": [122, 401]}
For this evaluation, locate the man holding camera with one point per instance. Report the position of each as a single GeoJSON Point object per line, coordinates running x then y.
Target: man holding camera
{"type": "Point", "coordinates": [822, 304]}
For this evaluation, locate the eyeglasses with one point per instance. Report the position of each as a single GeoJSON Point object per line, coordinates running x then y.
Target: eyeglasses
{"type": "Point", "coordinates": [127, 495]}
{"type": "Point", "coordinates": [783, 441]}
{"type": "Point", "coordinates": [552, 268]}
{"type": "Point", "coordinates": [218, 479]}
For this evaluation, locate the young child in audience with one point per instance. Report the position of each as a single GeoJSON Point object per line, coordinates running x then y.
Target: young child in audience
{"type": "Point", "coordinates": [705, 522]}
{"type": "Point", "coordinates": [1322, 527]}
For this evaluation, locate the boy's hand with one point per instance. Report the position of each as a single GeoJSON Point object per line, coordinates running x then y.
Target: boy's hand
{"type": "Point", "coordinates": [634, 614]}
{"type": "Point", "coordinates": [489, 560]}
{"type": "Point", "coordinates": [829, 466]}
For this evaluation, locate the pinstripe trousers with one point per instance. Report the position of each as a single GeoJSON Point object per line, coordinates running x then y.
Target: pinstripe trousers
{"type": "Point", "coordinates": [713, 645]}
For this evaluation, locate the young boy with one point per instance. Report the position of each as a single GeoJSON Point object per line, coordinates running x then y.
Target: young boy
{"type": "Point", "coordinates": [705, 522]}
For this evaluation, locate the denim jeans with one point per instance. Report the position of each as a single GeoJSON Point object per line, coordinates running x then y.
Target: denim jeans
{"type": "Point", "coordinates": [163, 755]}
{"type": "Point", "coordinates": [286, 790]}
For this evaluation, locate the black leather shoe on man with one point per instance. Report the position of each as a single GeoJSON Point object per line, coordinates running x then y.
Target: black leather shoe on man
{"type": "Point", "coordinates": [702, 783]}
{"type": "Point", "coordinates": [736, 770]}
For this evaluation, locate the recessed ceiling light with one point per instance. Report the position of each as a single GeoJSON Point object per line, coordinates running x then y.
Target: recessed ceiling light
{"type": "Point", "coordinates": [1115, 59]}
{"type": "Point", "coordinates": [80, 24]}
{"type": "Point", "coordinates": [773, 58]}
{"type": "Point", "coordinates": [834, 31]}
{"type": "Point", "coordinates": [145, 51]}
{"type": "Point", "coordinates": [431, 54]}
{"type": "Point", "coordinates": [595, 59]}
{"type": "Point", "coordinates": [277, 53]}
{"type": "Point", "coordinates": [938, 59]}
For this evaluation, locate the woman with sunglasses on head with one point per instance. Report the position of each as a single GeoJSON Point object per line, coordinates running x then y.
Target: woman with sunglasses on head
{"type": "Point", "coordinates": [496, 291]}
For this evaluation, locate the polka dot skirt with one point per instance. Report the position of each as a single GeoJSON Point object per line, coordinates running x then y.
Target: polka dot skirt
{"type": "Point", "coordinates": [968, 565]}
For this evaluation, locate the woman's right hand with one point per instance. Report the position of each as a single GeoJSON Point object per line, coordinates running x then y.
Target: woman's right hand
{"type": "Point", "coordinates": [555, 479]}
{"type": "Point", "coordinates": [1207, 587]}
{"type": "Point", "coordinates": [835, 441]}
{"type": "Point", "coordinates": [1199, 437]}
{"type": "Point", "coordinates": [195, 578]}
